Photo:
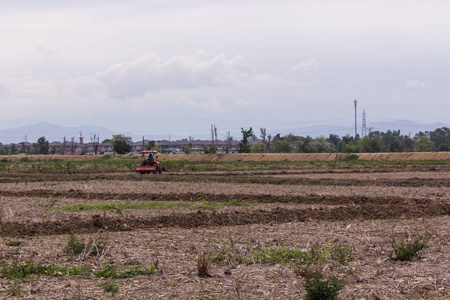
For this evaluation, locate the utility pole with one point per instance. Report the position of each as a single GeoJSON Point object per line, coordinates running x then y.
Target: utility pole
{"type": "Point", "coordinates": [364, 125]}
{"type": "Point", "coordinates": [64, 146]}
{"type": "Point", "coordinates": [72, 145]}
{"type": "Point", "coordinates": [356, 128]}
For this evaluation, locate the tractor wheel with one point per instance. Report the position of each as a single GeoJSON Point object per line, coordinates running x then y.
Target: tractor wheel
{"type": "Point", "coordinates": [155, 170]}
{"type": "Point", "coordinates": [159, 170]}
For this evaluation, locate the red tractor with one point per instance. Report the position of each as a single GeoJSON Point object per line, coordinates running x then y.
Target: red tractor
{"type": "Point", "coordinates": [150, 163]}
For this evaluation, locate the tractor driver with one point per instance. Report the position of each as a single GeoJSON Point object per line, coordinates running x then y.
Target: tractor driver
{"type": "Point", "coordinates": [150, 158]}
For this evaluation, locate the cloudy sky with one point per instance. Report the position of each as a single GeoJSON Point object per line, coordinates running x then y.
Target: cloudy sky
{"type": "Point", "coordinates": [176, 67]}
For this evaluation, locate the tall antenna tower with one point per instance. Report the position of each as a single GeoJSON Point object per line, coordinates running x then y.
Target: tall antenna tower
{"type": "Point", "coordinates": [364, 125]}
{"type": "Point", "coordinates": [356, 128]}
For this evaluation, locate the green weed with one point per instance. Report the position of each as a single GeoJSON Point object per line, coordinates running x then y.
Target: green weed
{"type": "Point", "coordinates": [14, 243]}
{"type": "Point", "coordinates": [113, 272]}
{"type": "Point", "coordinates": [110, 287]}
{"type": "Point", "coordinates": [13, 289]}
{"type": "Point", "coordinates": [406, 251]}
{"type": "Point", "coordinates": [317, 289]}
{"type": "Point", "coordinates": [74, 247]}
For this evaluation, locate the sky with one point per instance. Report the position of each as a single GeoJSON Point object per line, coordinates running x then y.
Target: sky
{"type": "Point", "coordinates": [176, 67]}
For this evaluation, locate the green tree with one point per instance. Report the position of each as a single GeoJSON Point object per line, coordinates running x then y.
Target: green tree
{"type": "Point", "coordinates": [120, 144]}
{"type": "Point", "coordinates": [244, 145]}
{"type": "Point", "coordinates": [334, 139]}
{"type": "Point", "coordinates": [13, 148]}
{"type": "Point", "coordinates": [42, 146]}
{"type": "Point", "coordinates": [150, 145]}
{"type": "Point", "coordinates": [258, 148]}
{"type": "Point", "coordinates": [444, 147]}
{"type": "Point", "coordinates": [424, 144]}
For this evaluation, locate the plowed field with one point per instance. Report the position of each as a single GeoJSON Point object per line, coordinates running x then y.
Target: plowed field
{"type": "Point", "coordinates": [169, 220]}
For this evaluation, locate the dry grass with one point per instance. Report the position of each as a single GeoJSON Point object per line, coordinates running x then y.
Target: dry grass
{"type": "Point", "coordinates": [181, 254]}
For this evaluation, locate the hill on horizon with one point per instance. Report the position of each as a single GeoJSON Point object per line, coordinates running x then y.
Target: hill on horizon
{"type": "Point", "coordinates": [52, 132]}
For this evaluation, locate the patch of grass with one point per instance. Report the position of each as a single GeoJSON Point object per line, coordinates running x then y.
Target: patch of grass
{"type": "Point", "coordinates": [351, 157]}
{"type": "Point", "coordinates": [14, 243]}
{"type": "Point", "coordinates": [228, 257]}
{"type": "Point", "coordinates": [318, 289]}
{"type": "Point", "coordinates": [113, 272]}
{"type": "Point", "coordinates": [13, 289]}
{"type": "Point", "coordinates": [281, 255]}
{"type": "Point", "coordinates": [406, 251]}
{"type": "Point", "coordinates": [215, 205]}
{"type": "Point", "coordinates": [236, 202]}
{"type": "Point", "coordinates": [209, 205]}
{"type": "Point", "coordinates": [21, 271]}
{"type": "Point", "coordinates": [110, 287]}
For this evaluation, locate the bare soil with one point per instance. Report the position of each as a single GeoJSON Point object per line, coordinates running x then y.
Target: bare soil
{"type": "Point", "coordinates": [366, 208]}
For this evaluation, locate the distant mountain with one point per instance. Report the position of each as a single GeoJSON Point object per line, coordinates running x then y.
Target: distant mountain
{"type": "Point", "coordinates": [57, 133]}
{"type": "Point", "coordinates": [52, 133]}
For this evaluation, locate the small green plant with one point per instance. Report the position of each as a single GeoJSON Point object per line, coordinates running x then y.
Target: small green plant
{"type": "Point", "coordinates": [74, 247]}
{"type": "Point", "coordinates": [281, 255]}
{"type": "Point", "coordinates": [21, 271]}
{"type": "Point", "coordinates": [341, 253]}
{"type": "Point", "coordinates": [318, 289]}
{"type": "Point", "coordinates": [406, 251]}
{"type": "Point", "coordinates": [110, 287]}
{"type": "Point", "coordinates": [13, 289]}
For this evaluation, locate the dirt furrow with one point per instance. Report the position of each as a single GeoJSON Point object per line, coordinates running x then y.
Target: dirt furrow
{"type": "Point", "coordinates": [208, 219]}
{"type": "Point", "coordinates": [243, 178]}
{"type": "Point", "coordinates": [200, 196]}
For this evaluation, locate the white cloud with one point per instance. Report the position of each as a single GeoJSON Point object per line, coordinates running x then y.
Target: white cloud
{"type": "Point", "coordinates": [149, 72]}
{"type": "Point", "coordinates": [308, 68]}
{"type": "Point", "coordinates": [413, 83]}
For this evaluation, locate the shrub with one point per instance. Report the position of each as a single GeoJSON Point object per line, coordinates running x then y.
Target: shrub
{"type": "Point", "coordinates": [406, 251]}
{"type": "Point", "coordinates": [317, 289]}
{"type": "Point", "coordinates": [74, 247]}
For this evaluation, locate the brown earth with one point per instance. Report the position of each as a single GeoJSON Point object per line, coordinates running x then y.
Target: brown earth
{"type": "Point", "coordinates": [365, 208]}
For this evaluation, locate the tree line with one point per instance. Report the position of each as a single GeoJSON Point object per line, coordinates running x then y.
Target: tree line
{"type": "Point", "coordinates": [375, 141]}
